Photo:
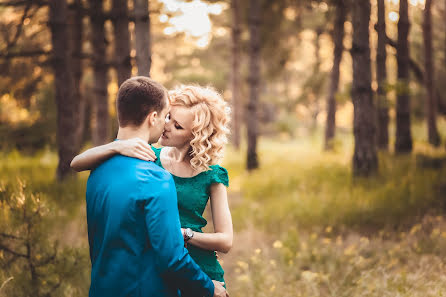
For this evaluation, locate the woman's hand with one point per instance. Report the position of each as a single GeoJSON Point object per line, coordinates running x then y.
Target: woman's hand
{"type": "Point", "coordinates": [135, 148]}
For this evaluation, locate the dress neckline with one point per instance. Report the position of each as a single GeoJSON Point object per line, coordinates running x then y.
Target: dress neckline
{"type": "Point", "coordinates": [183, 177]}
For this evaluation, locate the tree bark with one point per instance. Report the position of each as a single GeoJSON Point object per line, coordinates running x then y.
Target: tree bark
{"type": "Point", "coordinates": [254, 78]}
{"type": "Point", "coordinates": [403, 143]}
{"type": "Point", "coordinates": [338, 37]}
{"type": "Point", "coordinates": [143, 37]}
{"type": "Point", "coordinates": [76, 36]}
{"type": "Point", "coordinates": [431, 102]}
{"type": "Point", "coordinates": [316, 70]}
{"type": "Point", "coordinates": [122, 40]}
{"type": "Point", "coordinates": [365, 161]}
{"type": "Point", "coordinates": [235, 73]}
{"type": "Point", "coordinates": [100, 124]}
{"type": "Point", "coordinates": [381, 77]}
{"type": "Point", "coordinates": [64, 82]}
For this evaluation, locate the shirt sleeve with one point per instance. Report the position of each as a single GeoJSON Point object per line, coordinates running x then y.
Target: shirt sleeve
{"type": "Point", "coordinates": [219, 176]}
{"type": "Point", "coordinates": [163, 226]}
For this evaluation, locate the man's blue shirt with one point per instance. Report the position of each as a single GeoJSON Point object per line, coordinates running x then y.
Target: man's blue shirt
{"type": "Point", "coordinates": [136, 246]}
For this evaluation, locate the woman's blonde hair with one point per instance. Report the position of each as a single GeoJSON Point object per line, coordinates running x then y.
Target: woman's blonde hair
{"type": "Point", "coordinates": [210, 125]}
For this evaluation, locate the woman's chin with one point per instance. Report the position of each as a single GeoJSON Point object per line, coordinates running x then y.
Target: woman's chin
{"type": "Point", "coordinates": [162, 141]}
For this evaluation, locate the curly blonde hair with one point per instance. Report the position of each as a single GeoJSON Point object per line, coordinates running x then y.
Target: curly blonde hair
{"type": "Point", "coordinates": [210, 124]}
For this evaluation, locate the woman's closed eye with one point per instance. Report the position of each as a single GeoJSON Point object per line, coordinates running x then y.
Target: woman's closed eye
{"type": "Point", "coordinates": [177, 126]}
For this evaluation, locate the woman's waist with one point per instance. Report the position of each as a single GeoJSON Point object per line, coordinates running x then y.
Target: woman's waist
{"type": "Point", "coordinates": [206, 259]}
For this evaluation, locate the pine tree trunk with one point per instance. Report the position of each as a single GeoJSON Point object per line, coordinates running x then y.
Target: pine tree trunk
{"type": "Point", "coordinates": [100, 125]}
{"type": "Point", "coordinates": [143, 37]}
{"type": "Point", "coordinates": [76, 35]}
{"type": "Point", "coordinates": [122, 40]}
{"type": "Point", "coordinates": [431, 102]}
{"type": "Point", "coordinates": [365, 160]}
{"type": "Point", "coordinates": [235, 73]}
{"type": "Point", "coordinates": [338, 37]}
{"type": "Point", "coordinates": [403, 143]}
{"type": "Point", "coordinates": [381, 77]}
{"type": "Point", "coordinates": [254, 78]}
{"type": "Point", "coordinates": [63, 82]}
{"type": "Point", "coordinates": [316, 70]}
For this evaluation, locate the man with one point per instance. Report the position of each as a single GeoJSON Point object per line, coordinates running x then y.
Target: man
{"type": "Point", "coordinates": [136, 245]}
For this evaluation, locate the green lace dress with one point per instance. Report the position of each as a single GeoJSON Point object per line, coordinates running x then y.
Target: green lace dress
{"type": "Point", "coordinates": [193, 195]}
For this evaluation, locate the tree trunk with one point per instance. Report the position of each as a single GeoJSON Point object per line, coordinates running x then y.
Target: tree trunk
{"type": "Point", "coordinates": [338, 37]}
{"type": "Point", "coordinates": [365, 160]}
{"type": "Point", "coordinates": [100, 105]}
{"type": "Point", "coordinates": [122, 40]}
{"type": "Point", "coordinates": [64, 82]}
{"type": "Point", "coordinates": [431, 102]}
{"type": "Point", "coordinates": [235, 73]}
{"type": "Point", "coordinates": [254, 78]}
{"type": "Point", "coordinates": [403, 143]}
{"type": "Point", "coordinates": [381, 77]}
{"type": "Point", "coordinates": [143, 37]}
{"type": "Point", "coordinates": [76, 35]}
{"type": "Point", "coordinates": [316, 70]}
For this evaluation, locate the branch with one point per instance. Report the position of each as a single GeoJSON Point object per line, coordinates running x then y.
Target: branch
{"type": "Point", "coordinates": [419, 75]}
{"type": "Point", "coordinates": [25, 54]}
{"type": "Point", "coordinates": [23, 3]}
{"type": "Point", "coordinates": [6, 249]}
{"type": "Point", "coordinates": [10, 236]}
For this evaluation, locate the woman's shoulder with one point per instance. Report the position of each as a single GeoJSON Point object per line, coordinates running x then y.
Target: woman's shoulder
{"type": "Point", "coordinates": [218, 174]}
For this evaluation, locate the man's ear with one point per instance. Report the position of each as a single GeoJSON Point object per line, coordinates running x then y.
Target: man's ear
{"type": "Point", "coordinates": [152, 117]}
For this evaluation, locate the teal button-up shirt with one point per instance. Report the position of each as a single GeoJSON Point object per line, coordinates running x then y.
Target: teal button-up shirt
{"type": "Point", "coordinates": [136, 246]}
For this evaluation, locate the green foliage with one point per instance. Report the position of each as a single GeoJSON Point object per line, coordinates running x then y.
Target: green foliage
{"type": "Point", "coordinates": [35, 135]}
{"type": "Point", "coordinates": [309, 229]}
{"type": "Point", "coordinates": [318, 190]}
{"type": "Point", "coordinates": [37, 257]}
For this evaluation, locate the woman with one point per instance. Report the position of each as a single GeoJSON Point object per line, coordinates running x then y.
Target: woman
{"type": "Point", "coordinates": [193, 140]}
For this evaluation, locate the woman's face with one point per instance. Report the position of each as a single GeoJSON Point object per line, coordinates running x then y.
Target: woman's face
{"type": "Point", "coordinates": [178, 128]}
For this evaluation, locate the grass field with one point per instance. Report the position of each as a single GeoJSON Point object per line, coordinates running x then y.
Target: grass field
{"type": "Point", "coordinates": [303, 225]}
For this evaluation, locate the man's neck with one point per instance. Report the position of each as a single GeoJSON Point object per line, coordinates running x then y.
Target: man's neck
{"type": "Point", "coordinates": [132, 132]}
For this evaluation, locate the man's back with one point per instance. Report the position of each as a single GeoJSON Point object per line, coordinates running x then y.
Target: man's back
{"type": "Point", "coordinates": [133, 231]}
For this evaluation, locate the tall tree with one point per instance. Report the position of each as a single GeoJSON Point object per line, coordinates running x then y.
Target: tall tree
{"type": "Point", "coordinates": [365, 160]}
{"type": "Point", "coordinates": [431, 102]}
{"type": "Point", "coordinates": [403, 142]}
{"type": "Point", "coordinates": [235, 72]}
{"type": "Point", "coordinates": [316, 72]}
{"type": "Point", "coordinates": [64, 83]}
{"type": "Point", "coordinates": [254, 79]}
{"type": "Point", "coordinates": [122, 40]}
{"type": "Point", "coordinates": [338, 37]}
{"type": "Point", "coordinates": [100, 105]}
{"type": "Point", "coordinates": [381, 77]}
{"type": "Point", "coordinates": [76, 35]}
{"type": "Point", "coordinates": [143, 37]}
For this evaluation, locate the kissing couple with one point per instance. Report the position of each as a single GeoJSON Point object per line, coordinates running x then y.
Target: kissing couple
{"type": "Point", "coordinates": [145, 204]}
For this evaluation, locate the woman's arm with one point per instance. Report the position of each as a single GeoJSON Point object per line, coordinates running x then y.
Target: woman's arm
{"type": "Point", "coordinates": [91, 158]}
{"type": "Point", "coordinates": [221, 239]}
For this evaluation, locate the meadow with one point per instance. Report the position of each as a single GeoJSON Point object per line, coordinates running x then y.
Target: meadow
{"type": "Point", "coordinates": [303, 226]}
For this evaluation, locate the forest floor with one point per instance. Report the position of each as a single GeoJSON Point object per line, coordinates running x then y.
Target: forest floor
{"type": "Point", "coordinates": [303, 226]}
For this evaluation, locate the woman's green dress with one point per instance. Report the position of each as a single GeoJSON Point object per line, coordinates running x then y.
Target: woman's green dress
{"type": "Point", "coordinates": [193, 195]}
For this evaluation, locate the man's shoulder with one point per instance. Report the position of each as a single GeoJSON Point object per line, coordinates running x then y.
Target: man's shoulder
{"type": "Point", "coordinates": [120, 166]}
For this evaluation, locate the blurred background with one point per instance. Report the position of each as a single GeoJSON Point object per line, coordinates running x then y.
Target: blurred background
{"type": "Point", "coordinates": [337, 153]}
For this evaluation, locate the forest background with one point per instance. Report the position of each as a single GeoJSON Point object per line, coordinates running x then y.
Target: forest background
{"type": "Point", "coordinates": [336, 157]}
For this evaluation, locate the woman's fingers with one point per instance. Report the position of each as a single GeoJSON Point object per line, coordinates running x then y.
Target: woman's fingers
{"type": "Point", "coordinates": [151, 152]}
{"type": "Point", "coordinates": [144, 157]}
{"type": "Point", "coordinates": [146, 148]}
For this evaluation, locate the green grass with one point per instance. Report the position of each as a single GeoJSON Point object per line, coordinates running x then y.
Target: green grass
{"type": "Point", "coordinates": [302, 187]}
{"type": "Point", "coordinates": [304, 226]}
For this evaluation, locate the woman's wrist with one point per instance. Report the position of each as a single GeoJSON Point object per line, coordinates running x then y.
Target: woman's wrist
{"type": "Point", "coordinates": [116, 147]}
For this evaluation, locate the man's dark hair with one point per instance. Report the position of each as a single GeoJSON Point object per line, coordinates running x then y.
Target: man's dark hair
{"type": "Point", "coordinates": [137, 97]}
